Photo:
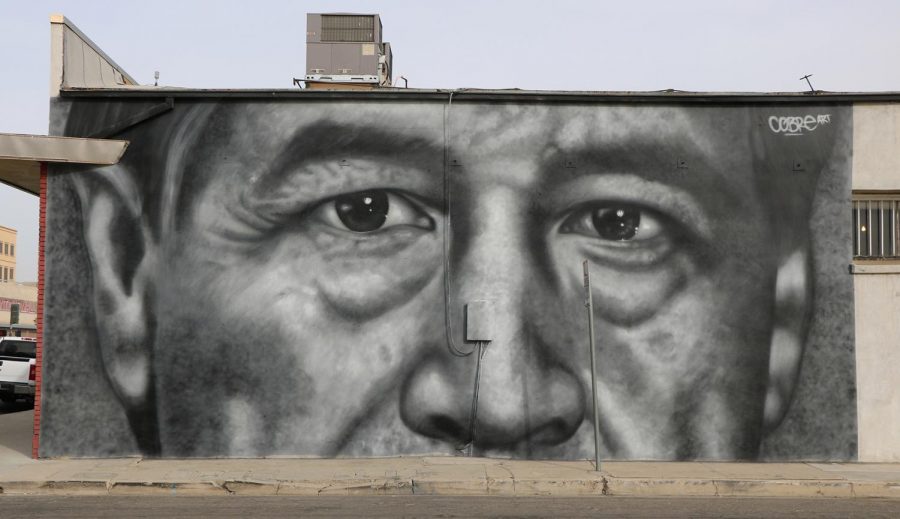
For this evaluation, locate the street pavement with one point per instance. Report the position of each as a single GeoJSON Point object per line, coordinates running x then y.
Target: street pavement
{"type": "Point", "coordinates": [440, 506]}
{"type": "Point", "coordinates": [428, 476]}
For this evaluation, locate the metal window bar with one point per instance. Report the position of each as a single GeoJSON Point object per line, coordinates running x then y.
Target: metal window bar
{"type": "Point", "coordinates": [871, 229]}
{"type": "Point", "coordinates": [876, 227]}
{"type": "Point", "coordinates": [893, 225]}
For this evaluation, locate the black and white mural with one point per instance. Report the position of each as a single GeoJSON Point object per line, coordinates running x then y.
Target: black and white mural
{"type": "Point", "coordinates": [291, 277]}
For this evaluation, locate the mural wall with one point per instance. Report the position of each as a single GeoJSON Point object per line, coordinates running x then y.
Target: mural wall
{"type": "Point", "coordinates": [291, 278]}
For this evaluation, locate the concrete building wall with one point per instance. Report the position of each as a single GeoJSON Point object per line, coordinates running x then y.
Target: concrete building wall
{"type": "Point", "coordinates": [876, 167]}
{"type": "Point", "coordinates": [878, 365]}
{"type": "Point", "coordinates": [876, 145]}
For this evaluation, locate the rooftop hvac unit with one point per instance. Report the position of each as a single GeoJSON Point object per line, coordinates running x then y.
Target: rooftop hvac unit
{"type": "Point", "coordinates": [347, 48]}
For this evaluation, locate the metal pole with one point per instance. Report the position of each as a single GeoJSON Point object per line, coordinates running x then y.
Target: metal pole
{"type": "Point", "coordinates": [473, 415]}
{"type": "Point", "coordinates": [808, 82]}
{"type": "Point", "coordinates": [858, 251]}
{"type": "Point", "coordinates": [869, 227]}
{"type": "Point", "coordinates": [589, 303]}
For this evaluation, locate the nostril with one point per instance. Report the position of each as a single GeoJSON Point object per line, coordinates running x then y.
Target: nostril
{"type": "Point", "coordinates": [446, 428]}
{"type": "Point", "coordinates": [553, 432]}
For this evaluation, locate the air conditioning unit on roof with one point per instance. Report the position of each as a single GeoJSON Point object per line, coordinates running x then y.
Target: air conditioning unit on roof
{"type": "Point", "coordinates": [346, 48]}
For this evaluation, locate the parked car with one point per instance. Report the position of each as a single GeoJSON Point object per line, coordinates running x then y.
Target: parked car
{"type": "Point", "coordinates": [17, 368]}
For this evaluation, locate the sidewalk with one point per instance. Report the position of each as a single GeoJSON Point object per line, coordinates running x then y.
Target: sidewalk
{"type": "Point", "coordinates": [446, 476]}
{"type": "Point", "coordinates": [19, 474]}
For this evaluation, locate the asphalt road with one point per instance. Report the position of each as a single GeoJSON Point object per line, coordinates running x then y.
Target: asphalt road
{"type": "Point", "coordinates": [433, 506]}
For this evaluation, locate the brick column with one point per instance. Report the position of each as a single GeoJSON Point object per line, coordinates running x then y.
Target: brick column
{"type": "Point", "coordinates": [42, 234]}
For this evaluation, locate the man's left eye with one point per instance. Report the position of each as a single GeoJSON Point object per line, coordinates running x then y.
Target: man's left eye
{"type": "Point", "coordinates": [371, 211]}
{"type": "Point", "coordinates": [613, 222]}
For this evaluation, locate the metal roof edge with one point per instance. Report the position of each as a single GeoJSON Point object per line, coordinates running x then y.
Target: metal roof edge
{"type": "Point", "coordinates": [662, 96]}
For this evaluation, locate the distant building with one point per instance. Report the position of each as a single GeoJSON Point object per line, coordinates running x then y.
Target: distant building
{"type": "Point", "coordinates": [7, 254]}
{"type": "Point", "coordinates": [26, 297]}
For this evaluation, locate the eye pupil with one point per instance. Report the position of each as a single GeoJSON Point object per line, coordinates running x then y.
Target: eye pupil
{"type": "Point", "coordinates": [616, 224]}
{"type": "Point", "coordinates": [364, 211]}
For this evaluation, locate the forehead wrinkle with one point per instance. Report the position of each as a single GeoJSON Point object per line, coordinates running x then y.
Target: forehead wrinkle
{"type": "Point", "coordinates": [326, 141]}
{"type": "Point", "coordinates": [502, 127]}
{"type": "Point", "coordinates": [405, 116]}
{"type": "Point", "coordinates": [616, 126]}
{"type": "Point", "coordinates": [504, 143]}
{"type": "Point", "coordinates": [270, 127]}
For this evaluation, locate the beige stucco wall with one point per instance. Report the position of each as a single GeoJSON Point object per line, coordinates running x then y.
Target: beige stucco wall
{"type": "Point", "coordinates": [876, 166]}
{"type": "Point", "coordinates": [876, 146]}
{"type": "Point", "coordinates": [878, 365]}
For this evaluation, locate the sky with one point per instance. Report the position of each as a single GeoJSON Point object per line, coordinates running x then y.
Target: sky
{"type": "Point", "coordinates": [699, 45]}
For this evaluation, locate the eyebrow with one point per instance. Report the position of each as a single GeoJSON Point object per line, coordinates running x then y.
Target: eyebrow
{"type": "Point", "coordinates": [682, 164]}
{"type": "Point", "coordinates": [327, 139]}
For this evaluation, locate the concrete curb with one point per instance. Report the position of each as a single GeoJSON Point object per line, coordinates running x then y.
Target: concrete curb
{"type": "Point", "coordinates": [602, 485]}
{"type": "Point", "coordinates": [449, 476]}
{"type": "Point", "coordinates": [753, 488]}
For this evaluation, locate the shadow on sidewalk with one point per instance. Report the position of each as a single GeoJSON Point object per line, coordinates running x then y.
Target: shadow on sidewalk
{"type": "Point", "coordinates": [16, 422]}
{"type": "Point", "coordinates": [15, 407]}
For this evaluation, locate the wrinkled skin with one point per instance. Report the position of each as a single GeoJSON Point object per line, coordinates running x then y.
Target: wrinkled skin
{"type": "Point", "coordinates": [283, 331]}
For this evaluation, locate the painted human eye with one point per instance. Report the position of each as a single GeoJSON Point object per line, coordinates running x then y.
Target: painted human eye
{"type": "Point", "coordinates": [372, 211]}
{"type": "Point", "coordinates": [624, 235]}
{"type": "Point", "coordinates": [614, 222]}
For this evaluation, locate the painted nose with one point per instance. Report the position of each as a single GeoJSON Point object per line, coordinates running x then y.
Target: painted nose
{"type": "Point", "coordinates": [521, 403]}
{"type": "Point", "coordinates": [527, 394]}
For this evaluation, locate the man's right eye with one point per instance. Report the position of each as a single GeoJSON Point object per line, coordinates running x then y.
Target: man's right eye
{"type": "Point", "coordinates": [372, 211]}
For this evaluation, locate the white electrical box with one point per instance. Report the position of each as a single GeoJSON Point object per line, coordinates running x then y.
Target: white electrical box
{"type": "Point", "coordinates": [479, 316]}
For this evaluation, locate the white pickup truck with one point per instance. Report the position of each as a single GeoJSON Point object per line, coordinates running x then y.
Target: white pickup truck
{"type": "Point", "coordinates": [17, 368]}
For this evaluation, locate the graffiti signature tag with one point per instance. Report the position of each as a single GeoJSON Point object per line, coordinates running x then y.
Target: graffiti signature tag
{"type": "Point", "coordinates": [796, 125]}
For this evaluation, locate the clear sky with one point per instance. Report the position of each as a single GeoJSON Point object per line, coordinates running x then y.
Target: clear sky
{"type": "Point", "coordinates": [704, 45]}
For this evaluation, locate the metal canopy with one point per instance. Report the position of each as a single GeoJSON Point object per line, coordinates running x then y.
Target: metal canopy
{"type": "Point", "coordinates": [21, 156]}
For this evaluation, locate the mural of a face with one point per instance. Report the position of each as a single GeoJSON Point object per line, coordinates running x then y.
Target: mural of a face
{"type": "Point", "coordinates": [305, 291]}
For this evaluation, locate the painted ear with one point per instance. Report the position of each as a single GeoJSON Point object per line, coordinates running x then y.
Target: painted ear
{"type": "Point", "coordinates": [793, 299]}
{"type": "Point", "coordinates": [122, 261]}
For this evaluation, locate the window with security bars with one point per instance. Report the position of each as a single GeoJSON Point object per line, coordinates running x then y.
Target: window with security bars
{"type": "Point", "coordinates": [348, 28]}
{"type": "Point", "coordinates": [876, 226]}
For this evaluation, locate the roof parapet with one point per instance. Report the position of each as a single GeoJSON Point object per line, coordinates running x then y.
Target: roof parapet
{"type": "Point", "coordinates": [77, 62]}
